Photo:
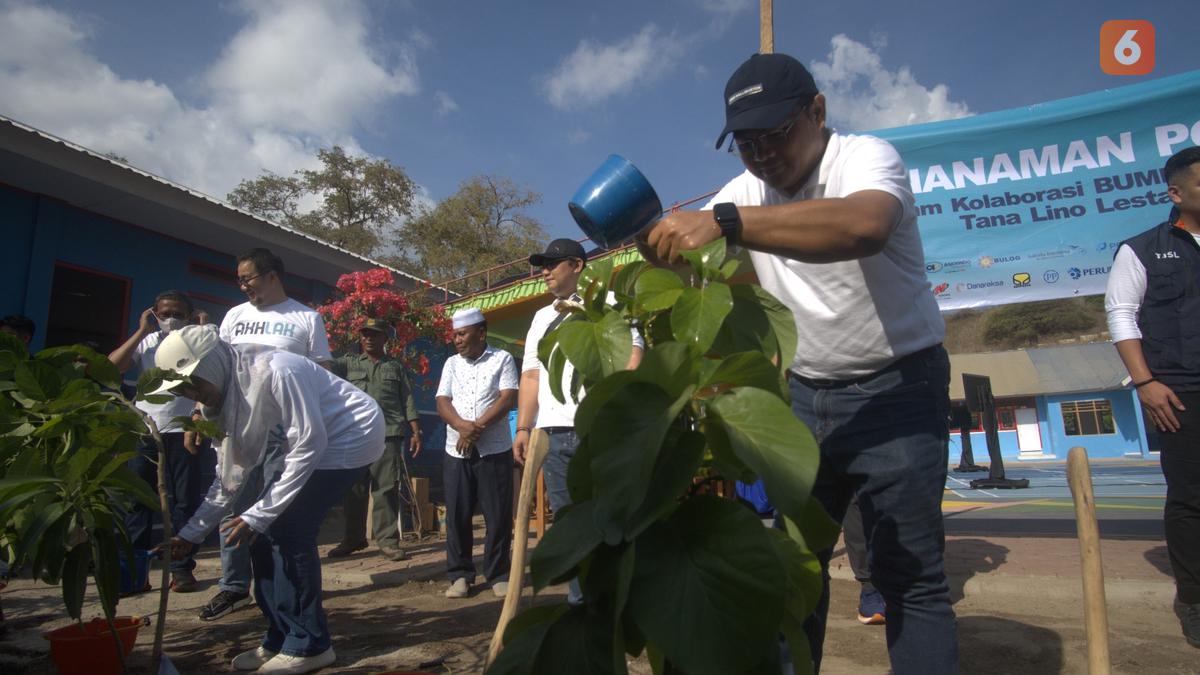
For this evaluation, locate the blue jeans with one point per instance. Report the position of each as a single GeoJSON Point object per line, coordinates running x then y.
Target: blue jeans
{"type": "Point", "coordinates": [884, 440]}
{"type": "Point", "coordinates": [287, 568]}
{"type": "Point", "coordinates": [563, 444]}
{"type": "Point", "coordinates": [235, 561]}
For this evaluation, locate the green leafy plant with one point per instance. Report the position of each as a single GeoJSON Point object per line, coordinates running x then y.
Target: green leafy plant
{"type": "Point", "coordinates": [693, 580]}
{"type": "Point", "coordinates": [66, 434]}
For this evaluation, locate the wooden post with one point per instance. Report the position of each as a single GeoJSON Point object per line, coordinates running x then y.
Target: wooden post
{"type": "Point", "coordinates": [539, 447]}
{"type": "Point", "coordinates": [766, 27]}
{"type": "Point", "coordinates": [1095, 613]}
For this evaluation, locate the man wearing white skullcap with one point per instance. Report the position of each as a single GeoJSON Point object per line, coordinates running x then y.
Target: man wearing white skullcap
{"type": "Point", "coordinates": [477, 389]}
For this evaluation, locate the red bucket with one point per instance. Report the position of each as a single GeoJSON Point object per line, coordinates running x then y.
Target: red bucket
{"type": "Point", "coordinates": [88, 649]}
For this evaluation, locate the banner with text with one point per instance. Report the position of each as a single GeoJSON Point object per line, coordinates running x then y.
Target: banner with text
{"type": "Point", "coordinates": [1031, 203]}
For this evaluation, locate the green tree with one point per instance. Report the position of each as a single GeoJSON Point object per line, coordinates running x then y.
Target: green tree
{"type": "Point", "coordinates": [361, 202]}
{"type": "Point", "coordinates": [1025, 324]}
{"type": "Point", "coordinates": [479, 226]}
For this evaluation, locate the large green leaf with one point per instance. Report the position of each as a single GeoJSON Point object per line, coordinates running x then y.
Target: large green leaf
{"type": "Point", "coordinates": [671, 477]}
{"type": "Point", "coordinates": [572, 538]}
{"type": "Point", "coordinates": [624, 284]}
{"type": "Point", "coordinates": [706, 260]}
{"type": "Point", "coordinates": [74, 579]}
{"type": "Point", "coordinates": [523, 638]}
{"type": "Point", "coordinates": [580, 642]}
{"type": "Point", "coordinates": [747, 369]}
{"type": "Point", "coordinates": [657, 289]}
{"type": "Point", "coordinates": [706, 588]}
{"type": "Point", "coordinates": [37, 380]}
{"type": "Point", "coordinates": [107, 570]}
{"type": "Point", "coordinates": [802, 576]}
{"type": "Point", "coordinates": [758, 322]}
{"type": "Point", "coordinates": [625, 439]}
{"type": "Point", "coordinates": [762, 431]}
{"type": "Point", "coordinates": [593, 284]}
{"type": "Point", "coordinates": [699, 313]}
{"type": "Point", "coordinates": [99, 368]}
{"type": "Point", "coordinates": [669, 366]}
{"type": "Point", "coordinates": [815, 531]}
{"type": "Point", "coordinates": [599, 394]}
{"type": "Point", "coordinates": [126, 480]}
{"type": "Point", "coordinates": [30, 533]}
{"type": "Point", "coordinates": [596, 348]}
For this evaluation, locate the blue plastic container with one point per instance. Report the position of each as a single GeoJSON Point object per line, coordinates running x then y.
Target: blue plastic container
{"type": "Point", "coordinates": [138, 581]}
{"type": "Point", "coordinates": [615, 203]}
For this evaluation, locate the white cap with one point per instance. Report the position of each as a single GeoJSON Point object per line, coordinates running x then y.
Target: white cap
{"type": "Point", "coordinates": [181, 352]}
{"type": "Point", "coordinates": [467, 317]}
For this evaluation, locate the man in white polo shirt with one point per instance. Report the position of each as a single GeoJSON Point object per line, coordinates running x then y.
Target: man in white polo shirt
{"type": "Point", "coordinates": [830, 223]}
{"type": "Point", "coordinates": [477, 389]}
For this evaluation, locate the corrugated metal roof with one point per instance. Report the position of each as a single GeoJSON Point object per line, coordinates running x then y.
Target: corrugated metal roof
{"type": "Point", "coordinates": [1043, 370]}
{"type": "Point", "coordinates": [42, 163]}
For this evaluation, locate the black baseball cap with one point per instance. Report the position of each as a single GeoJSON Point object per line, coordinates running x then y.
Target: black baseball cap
{"type": "Point", "coordinates": [559, 249]}
{"type": "Point", "coordinates": [763, 91]}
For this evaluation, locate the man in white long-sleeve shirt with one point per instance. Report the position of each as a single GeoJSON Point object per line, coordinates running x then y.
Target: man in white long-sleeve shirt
{"type": "Point", "coordinates": [334, 432]}
{"type": "Point", "coordinates": [1153, 306]}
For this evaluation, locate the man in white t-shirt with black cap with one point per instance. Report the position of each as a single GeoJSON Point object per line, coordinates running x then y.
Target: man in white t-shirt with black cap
{"type": "Point", "coordinates": [830, 223]}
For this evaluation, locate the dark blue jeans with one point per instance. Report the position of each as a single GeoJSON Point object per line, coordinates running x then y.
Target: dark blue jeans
{"type": "Point", "coordinates": [184, 484]}
{"type": "Point", "coordinates": [563, 444]}
{"type": "Point", "coordinates": [287, 568]}
{"type": "Point", "coordinates": [885, 440]}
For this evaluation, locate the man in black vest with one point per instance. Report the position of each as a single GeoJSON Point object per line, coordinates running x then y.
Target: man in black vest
{"type": "Point", "coordinates": [1153, 305]}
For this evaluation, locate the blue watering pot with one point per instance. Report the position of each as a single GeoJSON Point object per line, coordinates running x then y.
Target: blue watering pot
{"type": "Point", "coordinates": [615, 203]}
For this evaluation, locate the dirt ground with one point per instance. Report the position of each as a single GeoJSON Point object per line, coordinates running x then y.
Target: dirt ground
{"type": "Point", "coordinates": [392, 616]}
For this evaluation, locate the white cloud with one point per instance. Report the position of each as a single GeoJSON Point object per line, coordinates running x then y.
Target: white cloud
{"type": "Point", "coordinates": [305, 66]}
{"type": "Point", "coordinates": [595, 72]}
{"type": "Point", "coordinates": [578, 136]}
{"type": "Point", "coordinates": [864, 95]}
{"type": "Point", "coordinates": [297, 77]}
{"type": "Point", "coordinates": [445, 104]}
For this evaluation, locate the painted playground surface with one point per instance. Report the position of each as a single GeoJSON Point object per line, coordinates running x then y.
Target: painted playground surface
{"type": "Point", "coordinates": [1128, 496]}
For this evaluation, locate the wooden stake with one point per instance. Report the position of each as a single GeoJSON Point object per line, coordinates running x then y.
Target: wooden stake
{"type": "Point", "coordinates": [766, 28]}
{"type": "Point", "coordinates": [539, 447]}
{"type": "Point", "coordinates": [1095, 612]}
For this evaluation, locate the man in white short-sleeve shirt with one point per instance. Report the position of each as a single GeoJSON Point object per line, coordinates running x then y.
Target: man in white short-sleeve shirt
{"type": "Point", "coordinates": [562, 264]}
{"type": "Point", "coordinates": [477, 390]}
{"type": "Point", "coordinates": [832, 232]}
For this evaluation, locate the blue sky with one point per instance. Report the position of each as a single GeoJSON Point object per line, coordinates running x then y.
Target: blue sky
{"type": "Point", "coordinates": [207, 94]}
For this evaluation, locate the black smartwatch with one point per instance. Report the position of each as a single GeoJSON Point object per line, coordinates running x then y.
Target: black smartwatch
{"type": "Point", "coordinates": [730, 222]}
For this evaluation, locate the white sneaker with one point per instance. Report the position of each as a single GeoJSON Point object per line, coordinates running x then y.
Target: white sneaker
{"type": "Point", "coordinates": [282, 664]}
{"type": "Point", "coordinates": [459, 589]}
{"type": "Point", "coordinates": [252, 659]}
{"type": "Point", "coordinates": [500, 589]}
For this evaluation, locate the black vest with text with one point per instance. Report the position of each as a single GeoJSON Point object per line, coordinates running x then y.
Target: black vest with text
{"type": "Point", "coordinates": [1169, 317]}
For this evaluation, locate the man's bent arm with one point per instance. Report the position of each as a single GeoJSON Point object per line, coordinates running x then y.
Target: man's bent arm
{"type": "Point", "coordinates": [813, 231]}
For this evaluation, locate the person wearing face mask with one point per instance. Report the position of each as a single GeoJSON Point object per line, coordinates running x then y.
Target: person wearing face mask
{"type": "Point", "coordinates": [334, 432]}
{"type": "Point", "coordinates": [171, 311]}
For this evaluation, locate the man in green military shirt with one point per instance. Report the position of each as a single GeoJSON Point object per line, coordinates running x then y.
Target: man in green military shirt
{"type": "Point", "coordinates": [384, 379]}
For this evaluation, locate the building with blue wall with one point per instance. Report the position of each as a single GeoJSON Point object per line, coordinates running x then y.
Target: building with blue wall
{"type": "Point", "coordinates": [1051, 399]}
{"type": "Point", "coordinates": [90, 241]}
